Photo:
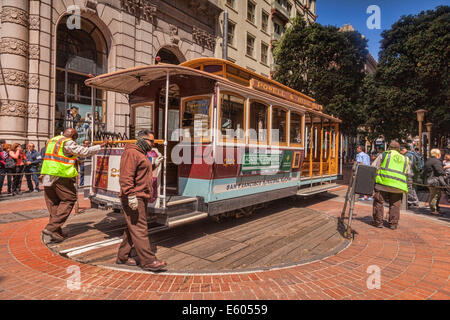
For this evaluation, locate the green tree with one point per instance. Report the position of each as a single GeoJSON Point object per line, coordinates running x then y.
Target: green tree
{"type": "Point", "coordinates": [326, 64]}
{"type": "Point", "coordinates": [412, 74]}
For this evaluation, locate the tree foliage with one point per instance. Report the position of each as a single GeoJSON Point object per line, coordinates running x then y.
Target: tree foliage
{"type": "Point", "coordinates": [326, 64]}
{"type": "Point", "coordinates": [412, 74]}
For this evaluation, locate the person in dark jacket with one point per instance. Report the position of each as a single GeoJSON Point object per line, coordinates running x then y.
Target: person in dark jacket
{"type": "Point", "coordinates": [19, 156]}
{"type": "Point", "coordinates": [32, 163]}
{"type": "Point", "coordinates": [135, 191]}
{"type": "Point", "coordinates": [435, 174]}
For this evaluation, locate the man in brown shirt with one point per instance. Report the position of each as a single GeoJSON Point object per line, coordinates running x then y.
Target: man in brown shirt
{"type": "Point", "coordinates": [59, 190]}
{"type": "Point", "coordinates": [135, 191]}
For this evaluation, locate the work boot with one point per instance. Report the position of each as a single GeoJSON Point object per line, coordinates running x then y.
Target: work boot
{"type": "Point", "coordinates": [129, 262]}
{"type": "Point", "coordinates": [53, 235]}
{"type": "Point", "coordinates": [155, 266]}
{"type": "Point", "coordinates": [377, 225]}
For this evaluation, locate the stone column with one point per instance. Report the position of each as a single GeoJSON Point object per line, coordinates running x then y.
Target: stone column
{"type": "Point", "coordinates": [14, 70]}
{"type": "Point", "coordinates": [33, 75]}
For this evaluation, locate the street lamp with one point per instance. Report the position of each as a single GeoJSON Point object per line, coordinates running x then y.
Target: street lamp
{"type": "Point", "coordinates": [429, 125]}
{"type": "Point", "coordinates": [420, 117]}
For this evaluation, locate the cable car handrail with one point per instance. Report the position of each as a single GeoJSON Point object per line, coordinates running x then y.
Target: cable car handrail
{"type": "Point", "coordinates": [158, 141]}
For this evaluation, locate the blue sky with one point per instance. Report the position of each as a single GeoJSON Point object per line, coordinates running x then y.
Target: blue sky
{"type": "Point", "coordinates": [340, 12]}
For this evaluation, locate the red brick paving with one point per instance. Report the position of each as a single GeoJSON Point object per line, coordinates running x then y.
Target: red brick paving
{"type": "Point", "coordinates": [11, 205]}
{"type": "Point", "coordinates": [414, 262]}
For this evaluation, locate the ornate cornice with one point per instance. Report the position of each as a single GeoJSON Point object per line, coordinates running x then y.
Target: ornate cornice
{"type": "Point", "coordinates": [13, 46]}
{"type": "Point", "coordinates": [141, 9]}
{"type": "Point", "coordinates": [15, 15]}
{"type": "Point", "coordinates": [14, 77]}
{"type": "Point", "coordinates": [13, 108]}
{"type": "Point", "coordinates": [203, 38]}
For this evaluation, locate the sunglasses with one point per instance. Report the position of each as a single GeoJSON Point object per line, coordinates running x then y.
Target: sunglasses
{"type": "Point", "coordinates": [149, 140]}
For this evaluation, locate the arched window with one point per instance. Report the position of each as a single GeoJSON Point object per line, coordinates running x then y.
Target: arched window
{"type": "Point", "coordinates": [80, 52]}
{"type": "Point", "coordinates": [167, 56]}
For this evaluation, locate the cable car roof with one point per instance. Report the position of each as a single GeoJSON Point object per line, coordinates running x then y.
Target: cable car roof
{"type": "Point", "coordinates": [129, 80]}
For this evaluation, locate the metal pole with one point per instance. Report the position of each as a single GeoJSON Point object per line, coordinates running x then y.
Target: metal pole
{"type": "Point", "coordinates": [165, 141]}
{"type": "Point", "coordinates": [420, 138]}
{"type": "Point", "coordinates": [65, 116]}
{"type": "Point", "coordinates": [340, 152]}
{"type": "Point", "coordinates": [225, 36]}
{"type": "Point", "coordinates": [92, 114]}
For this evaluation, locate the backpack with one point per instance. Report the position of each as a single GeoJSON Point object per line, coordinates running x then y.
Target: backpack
{"type": "Point", "coordinates": [9, 162]}
{"type": "Point", "coordinates": [418, 162]}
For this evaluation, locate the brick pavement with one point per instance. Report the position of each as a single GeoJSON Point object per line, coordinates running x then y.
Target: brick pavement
{"type": "Point", "coordinates": [414, 262]}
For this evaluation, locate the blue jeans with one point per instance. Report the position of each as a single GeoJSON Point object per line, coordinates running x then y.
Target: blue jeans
{"type": "Point", "coordinates": [34, 175]}
{"type": "Point", "coordinates": [82, 174]}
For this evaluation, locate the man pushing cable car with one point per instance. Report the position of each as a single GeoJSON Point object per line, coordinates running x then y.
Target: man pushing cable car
{"type": "Point", "coordinates": [135, 191]}
{"type": "Point", "coordinates": [59, 172]}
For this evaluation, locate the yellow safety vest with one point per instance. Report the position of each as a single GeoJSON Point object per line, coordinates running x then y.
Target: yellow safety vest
{"type": "Point", "coordinates": [55, 162]}
{"type": "Point", "coordinates": [393, 170]}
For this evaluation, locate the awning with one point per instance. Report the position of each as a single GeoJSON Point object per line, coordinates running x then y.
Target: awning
{"type": "Point", "coordinates": [129, 80]}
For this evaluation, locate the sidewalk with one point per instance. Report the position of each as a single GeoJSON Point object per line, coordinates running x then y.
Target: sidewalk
{"type": "Point", "coordinates": [413, 260]}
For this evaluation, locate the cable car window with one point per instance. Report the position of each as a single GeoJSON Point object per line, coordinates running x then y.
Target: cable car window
{"type": "Point", "coordinates": [258, 122]}
{"type": "Point", "coordinates": [232, 117]}
{"type": "Point", "coordinates": [212, 68]}
{"type": "Point", "coordinates": [143, 118]}
{"type": "Point", "coordinates": [196, 118]}
{"type": "Point", "coordinates": [296, 129]}
{"type": "Point", "coordinates": [278, 125]}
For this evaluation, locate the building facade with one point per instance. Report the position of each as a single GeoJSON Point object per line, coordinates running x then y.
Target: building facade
{"type": "Point", "coordinates": [254, 26]}
{"type": "Point", "coordinates": [48, 48]}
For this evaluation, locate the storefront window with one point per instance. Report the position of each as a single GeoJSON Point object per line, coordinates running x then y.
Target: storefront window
{"type": "Point", "coordinates": [80, 53]}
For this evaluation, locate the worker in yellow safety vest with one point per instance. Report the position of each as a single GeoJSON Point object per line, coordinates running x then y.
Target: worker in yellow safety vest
{"type": "Point", "coordinates": [59, 171]}
{"type": "Point", "coordinates": [391, 183]}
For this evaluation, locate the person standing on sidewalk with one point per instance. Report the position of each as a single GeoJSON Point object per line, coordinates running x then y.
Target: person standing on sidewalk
{"type": "Point", "coordinates": [391, 183]}
{"type": "Point", "coordinates": [135, 191]}
{"type": "Point", "coordinates": [31, 167]}
{"type": "Point", "coordinates": [10, 166]}
{"type": "Point", "coordinates": [413, 200]}
{"type": "Point", "coordinates": [86, 144]}
{"type": "Point", "coordinates": [435, 178]}
{"type": "Point", "coordinates": [364, 159]}
{"type": "Point", "coordinates": [19, 156]}
{"type": "Point", "coordinates": [59, 177]}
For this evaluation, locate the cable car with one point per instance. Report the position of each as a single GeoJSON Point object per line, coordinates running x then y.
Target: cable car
{"type": "Point", "coordinates": [231, 139]}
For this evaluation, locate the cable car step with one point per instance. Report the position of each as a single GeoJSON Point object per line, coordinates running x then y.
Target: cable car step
{"type": "Point", "coordinates": [181, 218]}
{"type": "Point", "coordinates": [316, 189]}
